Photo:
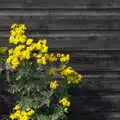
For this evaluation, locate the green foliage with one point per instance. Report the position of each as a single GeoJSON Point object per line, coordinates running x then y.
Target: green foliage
{"type": "Point", "coordinates": [30, 83]}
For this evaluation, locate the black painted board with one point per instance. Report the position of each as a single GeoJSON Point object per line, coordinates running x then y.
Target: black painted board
{"type": "Point", "coordinates": [76, 4]}
{"type": "Point", "coordinates": [45, 20]}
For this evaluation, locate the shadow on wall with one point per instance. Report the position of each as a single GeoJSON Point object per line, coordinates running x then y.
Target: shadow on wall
{"type": "Point", "coordinates": [89, 105]}
{"type": "Point", "coordinates": [6, 99]}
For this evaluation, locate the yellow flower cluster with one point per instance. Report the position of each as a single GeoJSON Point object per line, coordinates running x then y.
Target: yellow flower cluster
{"type": "Point", "coordinates": [72, 75]}
{"type": "Point", "coordinates": [63, 58]}
{"type": "Point", "coordinates": [65, 102]}
{"type": "Point", "coordinates": [25, 48]}
{"type": "Point", "coordinates": [59, 57]}
{"type": "Point", "coordinates": [54, 84]}
{"type": "Point", "coordinates": [49, 58]}
{"type": "Point", "coordinates": [21, 115]}
{"type": "Point", "coordinates": [17, 34]}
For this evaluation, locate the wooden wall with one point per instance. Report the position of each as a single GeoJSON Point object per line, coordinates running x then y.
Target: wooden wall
{"type": "Point", "coordinates": [87, 29]}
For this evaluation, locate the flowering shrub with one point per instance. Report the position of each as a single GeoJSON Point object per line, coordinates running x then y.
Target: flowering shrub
{"type": "Point", "coordinates": [39, 79]}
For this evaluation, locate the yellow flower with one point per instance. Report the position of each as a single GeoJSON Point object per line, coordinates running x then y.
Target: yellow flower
{"type": "Point", "coordinates": [14, 66]}
{"type": "Point", "coordinates": [24, 117]}
{"type": "Point", "coordinates": [9, 59]}
{"type": "Point", "coordinates": [71, 75]}
{"type": "Point", "coordinates": [75, 79]}
{"type": "Point", "coordinates": [25, 55]}
{"type": "Point", "coordinates": [15, 115]}
{"type": "Point", "coordinates": [38, 45]}
{"type": "Point", "coordinates": [19, 47]}
{"type": "Point", "coordinates": [42, 60]}
{"type": "Point", "coordinates": [29, 41]}
{"type": "Point", "coordinates": [30, 49]}
{"type": "Point", "coordinates": [30, 112]}
{"type": "Point", "coordinates": [15, 61]}
{"type": "Point", "coordinates": [14, 25]}
{"type": "Point", "coordinates": [22, 26]}
{"type": "Point", "coordinates": [38, 55]}
{"type": "Point", "coordinates": [44, 42]}
{"type": "Point", "coordinates": [54, 84]}
{"type": "Point", "coordinates": [22, 38]}
{"type": "Point", "coordinates": [17, 34]}
{"type": "Point", "coordinates": [67, 71]}
{"type": "Point", "coordinates": [21, 115]}
{"type": "Point", "coordinates": [17, 54]}
{"type": "Point", "coordinates": [65, 58]}
{"type": "Point", "coordinates": [65, 102]}
{"type": "Point", "coordinates": [17, 107]}
{"type": "Point", "coordinates": [10, 51]}
{"type": "Point", "coordinates": [44, 49]}
{"type": "Point", "coordinates": [58, 54]}
{"type": "Point", "coordinates": [52, 57]}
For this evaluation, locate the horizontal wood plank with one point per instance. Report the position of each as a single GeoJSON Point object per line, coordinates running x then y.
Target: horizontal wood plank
{"type": "Point", "coordinates": [49, 21]}
{"type": "Point", "coordinates": [95, 116]}
{"type": "Point", "coordinates": [60, 4]}
{"type": "Point", "coordinates": [60, 13]}
{"type": "Point", "coordinates": [11, 4]}
{"type": "Point", "coordinates": [96, 103]}
{"type": "Point", "coordinates": [103, 83]}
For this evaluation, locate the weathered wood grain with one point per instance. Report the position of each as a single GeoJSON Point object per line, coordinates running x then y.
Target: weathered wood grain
{"type": "Point", "coordinates": [11, 4]}
{"type": "Point", "coordinates": [77, 4]}
{"type": "Point", "coordinates": [61, 13]}
{"type": "Point", "coordinates": [95, 116]}
{"type": "Point", "coordinates": [99, 102]}
{"type": "Point", "coordinates": [104, 83]}
{"type": "Point", "coordinates": [48, 21]}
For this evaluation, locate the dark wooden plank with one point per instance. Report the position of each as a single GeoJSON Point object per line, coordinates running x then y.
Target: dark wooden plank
{"type": "Point", "coordinates": [63, 22]}
{"type": "Point", "coordinates": [72, 4]}
{"type": "Point", "coordinates": [11, 4]}
{"type": "Point", "coordinates": [60, 13]}
{"type": "Point", "coordinates": [103, 83]}
{"type": "Point", "coordinates": [60, 4]}
{"type": "Point", "coordinates": [90, 104]}
{"type": "Point", "coordinates": [95, 66]}
{"type": "Point", "coordinates": [95, 116]}
{"type": "Point", "coordinates": [95, 61]}
{"type": "Point", "coordinates": [99, 103]}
